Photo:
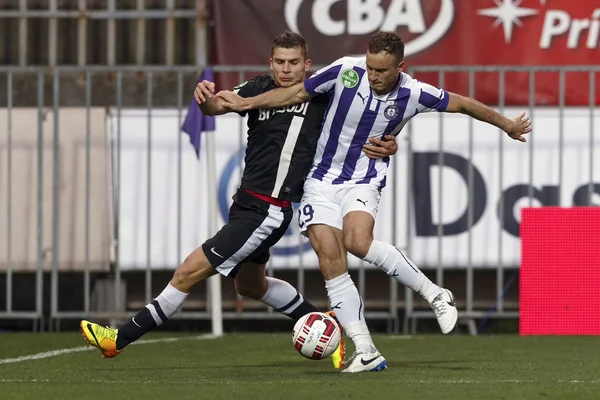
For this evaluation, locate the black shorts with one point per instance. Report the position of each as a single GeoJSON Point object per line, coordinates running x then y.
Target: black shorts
{"type": "Point", "coordinates": [254, 227]}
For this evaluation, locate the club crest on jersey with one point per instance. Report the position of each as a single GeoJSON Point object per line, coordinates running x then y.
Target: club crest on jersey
{"type": "Point", "coordinates": [391, 111]}
{"type": "Point", "coordinates": [349, 78]}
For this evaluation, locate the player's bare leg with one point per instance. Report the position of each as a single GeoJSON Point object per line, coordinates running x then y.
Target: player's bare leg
{"type": "Point", "coordinates": [111, 342]}
{"type": "Point", "coordinates": [252, 282]}
{"type": "Point", "coordinates": [358, 238]}
{"type": "Point", "coordinates": [344, 297]}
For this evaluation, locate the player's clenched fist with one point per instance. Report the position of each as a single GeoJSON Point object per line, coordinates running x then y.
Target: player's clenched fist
{"type": "Point", "coordinates": [204, 91]}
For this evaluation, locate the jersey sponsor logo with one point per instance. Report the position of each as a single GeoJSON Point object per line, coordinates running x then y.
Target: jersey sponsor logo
{"type": "Point", "coordinates": [369, 16]}
{"type": "Point", "coordinates": [349, 78]}
{"type": "Point", "coordinates": [298, 109]}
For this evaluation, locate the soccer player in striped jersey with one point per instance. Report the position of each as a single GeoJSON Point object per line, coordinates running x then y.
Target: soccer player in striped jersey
{"type": "Point", "coordinates": [369, 97]}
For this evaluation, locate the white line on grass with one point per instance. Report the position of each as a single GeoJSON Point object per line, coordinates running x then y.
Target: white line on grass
{"type": "Point", "coordinates": [54, 353]}
{"type": "Point", "coordinates": [195, 382]}
{"type": "Point", "coordinates": [474, 381]}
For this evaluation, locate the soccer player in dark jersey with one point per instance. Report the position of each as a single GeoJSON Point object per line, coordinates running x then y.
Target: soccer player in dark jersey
{"type": "Point", "coordinates": [281, 146]}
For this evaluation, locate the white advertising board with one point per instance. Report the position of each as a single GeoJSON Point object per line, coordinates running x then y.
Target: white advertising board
{"type": "Point", "coordinates": [501, 174]}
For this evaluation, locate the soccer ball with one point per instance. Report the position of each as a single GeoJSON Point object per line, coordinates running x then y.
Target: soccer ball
{"type": "Point", "coordinates": [316, 335]}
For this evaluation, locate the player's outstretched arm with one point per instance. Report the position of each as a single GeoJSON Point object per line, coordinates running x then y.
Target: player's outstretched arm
{"type": "Point", "coordinates": [514, 127]}
{"type": "Point", "coordinates": [209, 104]}
{"type": "Point", "coordinates": [274, 98]}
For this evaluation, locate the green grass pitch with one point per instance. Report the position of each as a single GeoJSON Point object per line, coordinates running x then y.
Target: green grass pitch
{"type": "Point", "coordinates": [263, 366]}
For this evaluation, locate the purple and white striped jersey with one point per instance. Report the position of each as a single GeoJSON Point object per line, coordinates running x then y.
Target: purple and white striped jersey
{"type": "Point", "coordinates": [355, 114]}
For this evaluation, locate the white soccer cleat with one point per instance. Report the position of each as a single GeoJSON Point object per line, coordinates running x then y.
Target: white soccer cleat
{"type": "Point", "coordinates": [444, 307]}
{"type": "Point", "coordinates": [365, 362]}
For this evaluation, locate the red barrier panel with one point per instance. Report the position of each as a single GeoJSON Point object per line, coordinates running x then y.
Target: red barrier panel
{"type": "Point", "coordinates": [436, 32]}
{"type": "Point", "coordinates": [560, 271]}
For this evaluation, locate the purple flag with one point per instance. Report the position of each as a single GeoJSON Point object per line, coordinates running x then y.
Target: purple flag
{"type": "Point", "coordinates": [195, 122]}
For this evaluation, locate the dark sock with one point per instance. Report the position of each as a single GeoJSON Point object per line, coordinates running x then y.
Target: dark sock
{"type": "Point", "coordinates": [137, 327]}
{"type": "Point", "coordinates": [156, 313]}
{"type": "Point", "coordinates": [296, 311]}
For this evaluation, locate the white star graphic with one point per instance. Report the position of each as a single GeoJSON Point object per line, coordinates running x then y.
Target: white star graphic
{"type": "Point", "coordinates": [508, 13]}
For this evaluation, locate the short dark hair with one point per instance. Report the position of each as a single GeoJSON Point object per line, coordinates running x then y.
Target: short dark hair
{"type": "Point", "coordinates": [389, 42]}
{"type": "Point", "coordinates": [290, 40]}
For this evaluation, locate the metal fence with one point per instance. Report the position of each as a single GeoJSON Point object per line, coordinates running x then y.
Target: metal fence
{"type": "Point", "coordinates": [45, 152]}
{"type": "Point", "coordinates": [469, 314]}
{"type": "Point", "coordinates": [85, 32]}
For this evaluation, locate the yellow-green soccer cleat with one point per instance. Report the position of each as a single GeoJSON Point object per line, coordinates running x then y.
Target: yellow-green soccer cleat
{"type": "Point", "coordinates": [339, 355]}
{"type": "Point", "coordinates": [103, 338]}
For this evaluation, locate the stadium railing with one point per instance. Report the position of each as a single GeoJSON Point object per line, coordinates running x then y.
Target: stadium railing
{"type": "Point", "coordinates": [60, 157]}
{"type": "Point", "coordinates": [105, 32]}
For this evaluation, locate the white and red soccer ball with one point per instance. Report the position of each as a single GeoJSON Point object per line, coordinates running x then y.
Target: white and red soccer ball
{"type": "Point", "coordinates": [316, 335]}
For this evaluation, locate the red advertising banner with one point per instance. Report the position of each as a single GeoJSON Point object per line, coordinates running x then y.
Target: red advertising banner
{"type": "Point", "coordinates": [560, 271]}
{"type": "Point", "coordinates": [436, 32]}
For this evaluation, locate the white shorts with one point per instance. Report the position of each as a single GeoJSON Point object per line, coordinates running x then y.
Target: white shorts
{"type": "Point", "coordinates": [327, 204]}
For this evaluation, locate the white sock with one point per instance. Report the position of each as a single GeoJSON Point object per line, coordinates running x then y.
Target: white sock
{"type": "Point", "coordinates": [166, 304]}
{"type": "Point", "coordinates": [348, 307]}
{"type": "Point", "coordinates": [279, 293]}
{"type": "Point", "coordinates": [286, 299]}
{"type": "Point", "coordinates": [398, 266]}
